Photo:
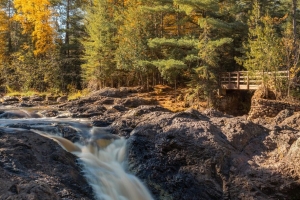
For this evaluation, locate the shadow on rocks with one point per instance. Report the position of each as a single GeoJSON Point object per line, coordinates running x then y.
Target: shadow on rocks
{"type": "Point", "coordinates": [34, 167]}
{"type": "Point", "coordinates": [190, 155]}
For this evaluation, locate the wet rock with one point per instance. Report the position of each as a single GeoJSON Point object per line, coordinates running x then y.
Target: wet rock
{"type": "Point", "coordinates": [50, 113]}
{"type": "Point", "coordinates": [19, 125]}
{"type": "Point", "coordinates": [13, 114]}
{"type": "Point", "coordinates": [69, 133]}
{"type": "Point", "coordinates": [101, 123]}
{"type": "Point", "coordinates": [34, 167]}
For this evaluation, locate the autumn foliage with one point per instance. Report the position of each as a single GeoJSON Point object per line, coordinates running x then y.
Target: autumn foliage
{"type": "Point", "coordinates": [35, 19]}
{"type": "Point", "coordinates": [68, 45]}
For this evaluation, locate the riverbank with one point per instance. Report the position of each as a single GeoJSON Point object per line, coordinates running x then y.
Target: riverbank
{"type": "Point", "coordinates": [195, 154]}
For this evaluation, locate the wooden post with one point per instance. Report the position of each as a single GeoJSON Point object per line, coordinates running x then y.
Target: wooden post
{"type": "Point", "coordinates": [247, 80]}
{"type": "Point", "coordinates": [238, 80]}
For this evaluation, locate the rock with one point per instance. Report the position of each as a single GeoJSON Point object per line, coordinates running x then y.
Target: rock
{"type": "Point", "coordinates": [51, 98]}
{"type": "Point", "coordinates": [87, 111]}
{"type": "Point", "coordinates": [193, 155]}
{"type": "Point", "coordinates": [111, 92]}
{"type": "Point", "coordinates": [13, 114]}
{"type": "Point", "coordinates": [69, 133]}
{"type": "Point", "coordinates": [101, 123]}
{"type": "Point", "coordinates": [282, 115]}
{"type": "Point", "coordinates": [213, 113]}
{"type": "Point", "coordinates": [62, 99]}
{"type": "Point", "coordinates": [34, 167]}
{"type": "Point", "coordinates": [184, 155]}
{"type": "Point", "coordinates": [292, 122]}
{"type": "Point", "coordinates": [106, 101]}
{"type": "Point", "coordinates": [133, 102]}
{"type": "Point", "coordinates": [25, 104]}
{"type": "Point", "coordinates": [10, 99]}
{"type": "Point", "coordinates": [37, 98]}
{"type": "Point", "coordinates": [50, 113]}
{"type": "Point", "coordinates": [25, 98]}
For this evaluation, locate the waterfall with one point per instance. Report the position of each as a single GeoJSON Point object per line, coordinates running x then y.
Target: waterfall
{"type": "Point", "coordinates": [104, 164]}
{"type": "Point", "coordinates": [103, 156]}
{"type": "Point", "coordinates": [104, 170]}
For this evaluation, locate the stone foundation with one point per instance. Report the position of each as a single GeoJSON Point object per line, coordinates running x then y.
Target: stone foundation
{"type": "Point", "coordinates": [270, 108]}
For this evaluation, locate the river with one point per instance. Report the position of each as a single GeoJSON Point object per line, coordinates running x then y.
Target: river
{"type": "Point", "coordinates": [102, 154]}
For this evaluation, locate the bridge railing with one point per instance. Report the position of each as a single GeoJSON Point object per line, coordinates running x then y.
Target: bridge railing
{"type": "Point", "coordinates": [245, 80]}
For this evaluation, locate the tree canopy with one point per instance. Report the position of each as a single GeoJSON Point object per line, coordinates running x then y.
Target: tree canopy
{"type": "Point", "coordinates": [63, 45]}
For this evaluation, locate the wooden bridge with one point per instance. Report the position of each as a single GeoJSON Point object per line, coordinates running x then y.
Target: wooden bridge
{"type": "Point", "coordinates": [245, 80]}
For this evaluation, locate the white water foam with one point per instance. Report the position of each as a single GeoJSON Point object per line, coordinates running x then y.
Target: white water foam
{"type": "Point", "coordinates": [104, 170]}
{"type": "Point", "coordinates": [104, 164]}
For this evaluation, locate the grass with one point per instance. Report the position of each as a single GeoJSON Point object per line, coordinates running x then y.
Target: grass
{"type": "Point", "coordinates": [26, 94]}
{"type": "Point", "coordinates": [78, 94]}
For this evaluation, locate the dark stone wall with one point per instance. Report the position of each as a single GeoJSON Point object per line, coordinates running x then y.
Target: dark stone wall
{"type": "Point", "coordinates": [235, 102]}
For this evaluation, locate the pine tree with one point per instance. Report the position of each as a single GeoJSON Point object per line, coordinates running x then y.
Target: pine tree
{"type": "Point", "coordinates": [100, 45]}
{"type": "Point", "coordinates": [264, 44]}
{"type": "Point", "coordinates": [216, 25]}
{"type": "Point", "coordinates": [209, 66]}
{"type": "Point", "coordinates": [264, 47]}
{"type": "Point", "coordinates": [132, 42]}
{"type": "Point", "coordinates": [70, 28]}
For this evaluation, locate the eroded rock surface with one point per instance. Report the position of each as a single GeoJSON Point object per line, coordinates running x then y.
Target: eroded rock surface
{"type": "Point", "coordinates": [186, 155]}
{"type": "Point", "coordinates": [34, 167]}
{"type": "Point", "coordinates": [193, 155]}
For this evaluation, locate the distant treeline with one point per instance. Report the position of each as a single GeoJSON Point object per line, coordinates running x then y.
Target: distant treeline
{"type": "Point", "coordinates": [67, 45]}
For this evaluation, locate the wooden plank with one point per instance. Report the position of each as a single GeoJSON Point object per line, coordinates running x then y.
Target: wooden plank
{"type": "Point", "coordinates": [247, 80]}
{"type": "Point", "coordinates": [244, 81]}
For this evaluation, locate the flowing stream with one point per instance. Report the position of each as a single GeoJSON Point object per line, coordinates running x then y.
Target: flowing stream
{"type": "Point", "coordinates": [103, 155]}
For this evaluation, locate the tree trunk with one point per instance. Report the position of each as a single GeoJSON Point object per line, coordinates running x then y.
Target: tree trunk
{"type": "Point", "coordinates": [67, 39]}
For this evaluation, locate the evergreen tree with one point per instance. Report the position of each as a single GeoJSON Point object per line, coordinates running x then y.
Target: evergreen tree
{"type": "Point", "coordinates": [100, 45]}
{"type": "Point", "coordinates": [206, 73]}
{"type": "Point", "coordinates": [264, 47]}
{"type": "Point", "coordinates": [216, 26]}
{"type": "Point", "coordinates": [70, 31]}
{"type": "Point", "coordinates": [132, 50]}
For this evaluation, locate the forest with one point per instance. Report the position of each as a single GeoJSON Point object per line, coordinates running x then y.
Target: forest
{"type": "Point", "coordinates": [71, 45]}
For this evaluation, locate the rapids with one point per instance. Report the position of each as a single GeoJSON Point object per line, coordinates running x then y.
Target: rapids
{"type": "Point", "coordinates": [103, 156]}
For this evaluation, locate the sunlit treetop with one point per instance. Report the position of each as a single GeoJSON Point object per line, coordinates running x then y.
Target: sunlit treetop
{"type": "Point", "coordinates": [35, 18]}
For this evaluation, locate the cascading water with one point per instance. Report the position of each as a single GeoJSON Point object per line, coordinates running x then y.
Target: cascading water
{"type": "Point", "coordinates": [104, 169]}
{"type": "Point", "coordinates": [102, 155]}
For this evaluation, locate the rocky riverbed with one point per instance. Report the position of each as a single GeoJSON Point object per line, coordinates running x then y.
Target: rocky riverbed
{"type": "Point", "coordinates": [184, 155]}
